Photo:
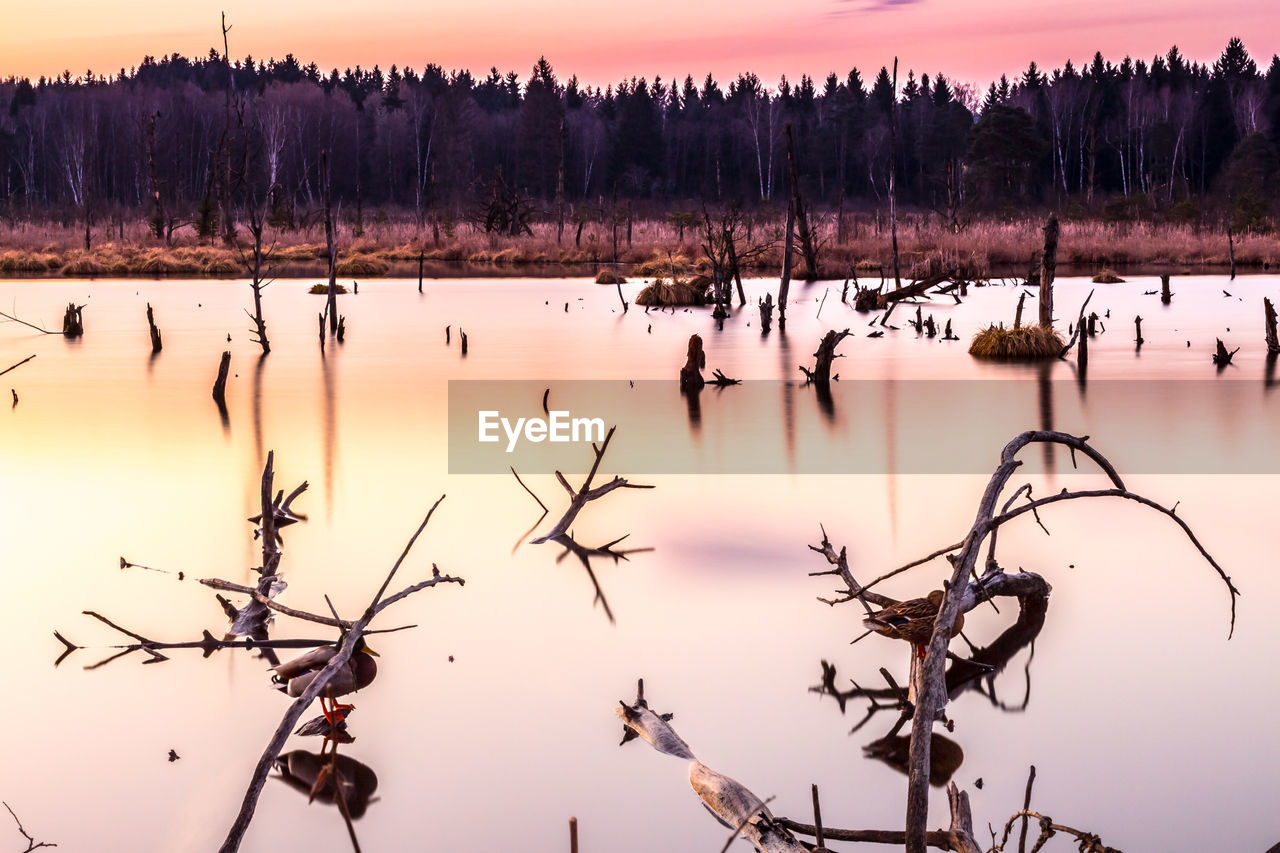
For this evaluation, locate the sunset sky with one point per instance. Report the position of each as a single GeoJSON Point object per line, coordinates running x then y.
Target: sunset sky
{"type": "Point", "coordinates": [969, 40]}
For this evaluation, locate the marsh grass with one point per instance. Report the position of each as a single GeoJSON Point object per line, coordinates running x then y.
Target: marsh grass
{"type": "Point", "coordinates": [983, 248]}
{"type": "Point", "coordinates": [1027, 343]}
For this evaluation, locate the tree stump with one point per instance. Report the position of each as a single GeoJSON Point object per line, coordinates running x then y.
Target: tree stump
{"type": "Point", "coordinates": [1269, 311]}
{"type": "Point", "coordinates": [1165, 295]}
{"type": "Point", "coordinates": [220, 384]}
{"type": "Point", "coordinates": [1048, 264]}
{"type": "Point", "coordinates": [1221, 357]}
{"type": "Point", "coordinates": [826, 354]}
{"type": "Point", "coordinates": [695, 360]}
{"type": "Point", "coordinates": [766, 312]}
{"type": "Point", "coordinates": [72, 321]}
{"type": "Point", "coordinates": [156, 344]}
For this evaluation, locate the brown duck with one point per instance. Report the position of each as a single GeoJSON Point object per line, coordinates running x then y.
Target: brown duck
{"type": "Point", "coordinates": [296, 675]}
{"type": "Point", "coordinates": [911, 620]}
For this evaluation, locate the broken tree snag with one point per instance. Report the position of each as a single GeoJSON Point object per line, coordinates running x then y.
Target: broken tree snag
{"type": "Point", "coordinates": [788, 253]}
{"type": "Point", "coordinates": [331, 243]}
{"type": "Point", "coordinates": [766, 313]}
{"type": "Point", "coordinates": [1137, 325]}
{"type": "Point", "coordinates": [1048, 263]}
{"type": "Point", "coordinates": [15, 366]}
{"type": "Point", "coordinates": [695, 360]}
{"type": "Point", "coordinates": [422, 256]}
{"type": "Point", "coordinates": [580, 497]}
{"type": "Point", "coordinates": [866, 299]}
{"type": "Point", "coordinates": [1017, 315]}
{"type": "Point", "coordinates": [463, 337]}
{"type": "Point", "coordinates": [72, 321]}
{"type": "Point", "coordinates": [807, 247]}
{"type": "Point", "coordinates": [1231, 252]}
{"type": "Point", "coordinates": [156, 344]}
{"type": "Point", "coordinates": [342, 327]}
{"type": "Point", "coordinates": [1269, 312]}
{"type": "Point", "coordinates": [220, 384]}
{"type": "Point", "coordinates": [1166, 296]}
{"type": "Point", "coordinates": [821, 373]}
{"type": "Point", "coordinates": [1221, 356]}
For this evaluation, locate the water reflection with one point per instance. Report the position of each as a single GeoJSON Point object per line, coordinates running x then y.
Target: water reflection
{"type": "Point", "coordinates": [330, 778]}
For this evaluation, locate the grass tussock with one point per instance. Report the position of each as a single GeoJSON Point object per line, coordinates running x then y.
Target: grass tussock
{"type": "Point", "coordinates": [1028, 343]}
{"type": "Point", "coordinates": [678, 293]}
{"type": "Point", "coordinates": [362, 265]}
{"type": "Point", "coordinates": [607, 277]}
{"type": "Point", "coordinates": [1107, 276]}
{"type": "Point", "coordinates": [323, 288]}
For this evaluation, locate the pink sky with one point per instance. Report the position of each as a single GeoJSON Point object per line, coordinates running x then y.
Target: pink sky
{"type": "Point", "coordinates": [969, 40]}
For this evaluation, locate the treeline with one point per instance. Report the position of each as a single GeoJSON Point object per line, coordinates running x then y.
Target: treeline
{"type": "Point", "coordinates": [191, 141]}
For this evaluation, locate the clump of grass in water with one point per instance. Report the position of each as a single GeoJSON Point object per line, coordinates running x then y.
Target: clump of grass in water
{"type": "Point", "coordinates": [1028, 343]}
{"type": "Point", "coordinates": [663, 294]}
{"type": "Point", "coordinates": [323, 288]}
{"type": "Point", "coordinates": [607, 277]}
{"type": "Point", "coordinates": [1107, 276]}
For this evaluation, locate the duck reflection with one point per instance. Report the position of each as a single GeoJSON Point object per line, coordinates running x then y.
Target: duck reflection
{"type": "Point", "coordinates": [324, 776]}
{"type": "Point", "coordinates": [945, 756]}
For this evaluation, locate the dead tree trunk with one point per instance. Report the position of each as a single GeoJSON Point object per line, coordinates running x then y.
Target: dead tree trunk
{"type": "Point", "coordinates": [766, 313]}
{"type": "Point", "coordinates": [1017, 315]}
{"type": "Point", "coordinates": [332, 303]}
{"type": "Point", "coordinates": [1048, 263]}
{"type": "Point", "coordinates": [73, 321]}
{"type": "Point", "coordinates": [1231, 252]}
{"type": "Point", "coordinates": [788, 252]}
{"type": "Point", "coordinates": [893, 168]}
{"type": "Point", "coordinates": [1165, 295]}
{"type": "Point", "coordinates": [220, 384]}
{"type": "Point", "coordinates": [157, 206]}
{"type": "Point", "coordinates": [1269, 310]}
{"type": "Point", "coordinates": [422, 256]}
{"type": "Point", "coordinates": [691, 374]}
{"type": "Point", "coordinates": [820, 375]}
{"type": "Point", "coordinates": [156, 344]}
{"type": "Point", "coordinates": [807, 247]}
{"type": "Point", "coordinates": [1137, 325]}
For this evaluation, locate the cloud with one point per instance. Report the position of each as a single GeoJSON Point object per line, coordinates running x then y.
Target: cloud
{"type": "Point", "coordinates": [845, 8]}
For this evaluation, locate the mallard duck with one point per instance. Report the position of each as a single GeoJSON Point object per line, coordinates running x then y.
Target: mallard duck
{"type": "Point", "coordinates": [911, 620]}
{"type": "Point", "coordinates": [296, 675]}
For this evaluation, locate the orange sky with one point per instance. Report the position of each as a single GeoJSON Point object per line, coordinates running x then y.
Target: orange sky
{"type": "Point", "coordinates": [970, 40]}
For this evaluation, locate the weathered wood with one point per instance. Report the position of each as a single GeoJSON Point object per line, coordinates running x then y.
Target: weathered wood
{"type": "Point", "coordinates": [788, 251]}
{"type": "Point", "coordinates": [15, 366]}
{"type": "Point", "coordinates": [331, 242]}
{"type": "Point", "coordinates": [766, 312]}
{"type": "Point", "coordinates": [1166, 296]}
{"type": "Point", "coordinates": [156, 344]}
{"type": "Point", "coordinates": [422, 257]}
{"type": "Point", "coordinates": [220, 384]}
{"type": "Point", "coordinates": [1221, 356]}
{"type": "Point", "coordinates": [695, 361]}
{"type": "Point", "coordinates": [807, 246]}
{"type": "Point", "coordinates": [1269, 315]}
{"type": "Point", "coordinates": [1017, 315]}
{"type": "Point", "coordinates": [820, 375]}
{"type": "Point", "coordinates": [1048, 264]}
{"type": "Point", "coordinates": [1137, 325]}
{"type": "Point", "coordinates": [462, 336]}
{"type": "Point", "coordinates": [73, 321]}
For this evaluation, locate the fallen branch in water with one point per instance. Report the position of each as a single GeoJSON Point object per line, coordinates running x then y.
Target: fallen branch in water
{"type": "Point", "coordinates": [347, 646]}
{"type": "Point", "coordinates": [16, 366]}
{"type": "Point", "coordinates": [580, 497]}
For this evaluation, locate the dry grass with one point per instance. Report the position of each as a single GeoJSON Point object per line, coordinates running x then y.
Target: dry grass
{"type": "Point", "coordinates": [607, 277]}
{"type": "Point", "coordinates": [984, 247]}
{"type": "Point", "coordinates": [1028, 343]}
{"type": "Point", "coordinates": [323, 288]}
{"type": "Point", "coordinates": [1107, 276]}
{"type": "Point", "coordinates": [679, 293]}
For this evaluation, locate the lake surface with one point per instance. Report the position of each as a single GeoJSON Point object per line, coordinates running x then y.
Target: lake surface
{"type": "Point", "coordinates": [493, 722]}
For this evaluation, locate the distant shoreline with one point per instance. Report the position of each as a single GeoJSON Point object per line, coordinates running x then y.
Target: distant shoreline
{"type": "Point", "coordinates": [983, 249]}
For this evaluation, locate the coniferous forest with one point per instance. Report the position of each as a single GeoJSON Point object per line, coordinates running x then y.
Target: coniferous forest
{"type": "Point", "coordinates": [177, 140]}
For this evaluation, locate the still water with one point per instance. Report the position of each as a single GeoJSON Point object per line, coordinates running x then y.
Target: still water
{"type": "Point", "coordinates": [492, 722]}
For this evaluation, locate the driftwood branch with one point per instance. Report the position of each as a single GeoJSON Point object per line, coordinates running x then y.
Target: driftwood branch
{"type": "Point", "coordinates": [579, 498]}
{"type": "Point", "coordinates": [32, 844]}
{"type": "Point", "coordinates": [347, 646]}
{"type": "Point", "coordinates": [15, 366]}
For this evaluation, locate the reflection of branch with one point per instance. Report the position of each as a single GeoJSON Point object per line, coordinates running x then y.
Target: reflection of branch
{"type": "Point", "coordinates": [585, 554]}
